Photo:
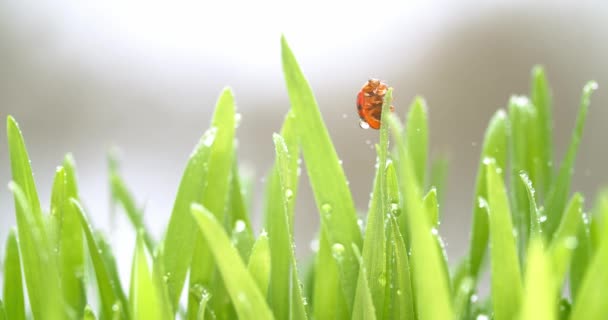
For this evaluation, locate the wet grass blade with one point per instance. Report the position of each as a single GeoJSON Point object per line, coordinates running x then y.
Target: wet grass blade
{"type": "Point", "coordinates": [417, 137]}
{"type": "Point", "coordinates": [374, 250]}
{"type": "Point", "coordinates": [328, 300]}
{"type": "Point", "coordinates": [540, 295]}
{"type": "Point", "coordinates": [535, 216]}
{"type": "Point", "coordinates": [259, 263]}
{"type": "Point", "coordinates": [589, 303]}
{"type": "Point", "coordinates": [145, 297]}
{"type": "Point", "coordinates": [541, 99]}
{"type": "Point", "coordinates": [558, 193]}
{"type": "Point", "coordinates": [121, 195]}
{"type": "Point", "coordinates": [565, 239]}
{"type": "Point", "coordinates": [364, 304]}
{"type": "Point", "coordinates": [108, 289]}
{"type": "Point", "coordinates": [427, 265]}
{"type": "Point", "coordinates": [13, 286]}
{"type": "Point", "coordinates": [247, 298]}
{"type": "Point", "coordinates": [432, 208]}
{"type": "Point", "coordinates": [506, 281]}
{"type": "Point", "coordinates": [331, 192]}
{"type": "Point", "coordinates": [214, 198]}
{"type": "Point", "coordinates": [89, 314]}
{"type": "Point", "coordinates": [400, 294]}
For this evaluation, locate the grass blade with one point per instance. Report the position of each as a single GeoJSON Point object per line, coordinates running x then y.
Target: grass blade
{"type": "Point", "coordinates": [247, 298]}
{"type": "Point", "coordinates": [13, 286]}
{"type": "Point", "coordinates": [328, 300]}
{"type": "Point", "coordinates": [327, 178]}
{"type": "Point", "coordinates": [259, 263]}
{"type": "Point", "coordinates": [540, 296]}
{"type": "Point", "coordinates": [89, 314]}
{"type": "Point", "coordinates": [439, 174]}
{"type": "Point", "coordinates": [109, 294]}
{"type": "Point", "coordinates": [541, 99]}
{"type": "Point", "coordinates": [565, 238]}
{"type": "Point", "coordinates": [2, 311]}
{"type": "Point", "coordinates": [400, 294]}
{"type": "Point", "coordinates": [506, 276]}
{"type": "Point", "coordinates": [364, 304]}
{"type": "Point", "coordinates": [535, 216]}
{"type": "Point", "coordinates": [417, 137]}
{"type": "Point", "coordinates": [432, 208]}
{"type": "Point", "coordinates": [558, 193]}
{"type": "Point", "coordinates": [214, 198]}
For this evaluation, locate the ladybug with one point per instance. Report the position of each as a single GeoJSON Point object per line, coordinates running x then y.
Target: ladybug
{"type": "Point", "coordinates": [369, 103]}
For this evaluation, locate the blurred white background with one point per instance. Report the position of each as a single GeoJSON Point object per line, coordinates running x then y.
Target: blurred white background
{"type": "Point", "coordinates": [81, 77]}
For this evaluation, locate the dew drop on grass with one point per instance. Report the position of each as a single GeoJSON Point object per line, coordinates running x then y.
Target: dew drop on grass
{"type": "Point", "coordinates": [237, 120]}
{"type": "Point", "coordinates": [571, 242]}
{"type": "Point", "coordinates": [395, 210]}
{"type": "Point", "coordinates": [326, 208]}
{"type": "Point", "coordinates": [337, 250]}
{"type": "Point", "coordinates": [239, 226]}
{"type": "Point", "coordinates": [398, 292]}
{"type": "Point", "coordinates": [167, 276]}
{"type": "Point", "coordinates": [209, 137]}
{"type": "Point", "coordinates": [363, 124]}
{"type": "Point", "coordinates": [116, 307]}
{"type": "Point", "coordinates": [434, 231]}
{"type": "Point", "coordinates": [382, 279]}
{"type": "Point", "coordinates": [314, 245]}
{"type": "Point", "coordinates": [482, 317]}
{"type": "Point", "coordinates": [288, 194]}
{"type": "Point", "coordinates": [542, 219]}
{"type": "Point", "coordinates": [474, 298]}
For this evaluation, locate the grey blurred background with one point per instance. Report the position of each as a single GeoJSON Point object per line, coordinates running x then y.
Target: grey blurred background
{"type": "Point", "coordinates": [82, 77]}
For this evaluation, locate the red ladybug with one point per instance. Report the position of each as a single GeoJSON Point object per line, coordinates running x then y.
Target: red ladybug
{"type": "Point", "coordinates": [369, 103]}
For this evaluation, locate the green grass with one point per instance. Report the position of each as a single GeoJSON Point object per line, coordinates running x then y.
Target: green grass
{"type": "Point", "coordinates": [528, 230]}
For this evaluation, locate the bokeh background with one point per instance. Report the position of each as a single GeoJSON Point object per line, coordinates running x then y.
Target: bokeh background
{"type": "Point", "coordinates": [143, 76]}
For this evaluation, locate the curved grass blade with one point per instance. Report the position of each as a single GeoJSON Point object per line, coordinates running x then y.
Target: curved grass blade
{"type": "Point", "coordinates": [259, 263]}
{"type": "Point", "coordinates": [558, 193]}
{"type": "Point", "coordinates": [247, 298]}
{"type": "Point", "coordinates": [506, 281]}
{"type": "Point", "coordinates": [13, 287]}
{"type": "Point", "coordinates": [374, 250]}
{"type": "Point", "coordinates": [417, 138]}
{"type": "Point", "coordinates": [364, 304]}
{"type": "Point", "coordinates": [400, 295]}
{"type": "Point", "coordinates": [214, 198]}
{"type": "Point", "coordinates": [145, 297]}
{"type": "Point", "coordinates": [121, 195]}
{"type": "Point", "coordinates": [39, 264]}
{"type": "Point", "coordinates": [565, 239]}
{"type": "Point", "coordinates": [541, 100]}
{"type": "Point", "coordinates": [428, 279]}
{"type": "Point", "coordinates": [331, 192]}
{"type": "Point", "coordinates": [589, 304]}
{"type": "Point", "coordinates": [540, 295]}
{"type": "Point", "coordinates": [109, 291]}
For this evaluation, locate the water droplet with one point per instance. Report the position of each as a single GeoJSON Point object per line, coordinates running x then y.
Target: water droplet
{"type": "Point", "coordinates": [363, 124]}
{"type": "Point", "coordinates": [382, 279]}
{"type": "Point", "coordinates": [482, 317]}
{"type": "Point", "coordinates": [542, 219]}
{"type": "Point", "coordinates": [116, 307]}
{"type": "Point", "coordinates": [209, 137]}
{"type": "Point", "coordinates": [488, 160]}
{"type": "Point", "coordinates": [326, 208]}
{"type": "Point", "coordinates": [167, 276]}
{"type": "Point", "coordinates": [571, 242]}
{"type": "Point", "coordinates": [398, 292]}
{"type": "Point", "coordinates": [337, 250]}
{"type": "Point", "coordinates": [434, 231]}
{"type": "Point", "coordinates": [237, 120]}
{"type": "Point", "coordinates": [395, 210]}
{"type": "Point", "coordinates": [340, 161]}
{"type": "Point", "coordinates": [314, 245]}
{"type": "Point", "coordinates": [239, 226]}
{"type": "Point", "coordinates": [360, 223]}
{"type": "Point", "coordinates": [474, 298]}
{"type": "Point", "coordinates": [288, 194]}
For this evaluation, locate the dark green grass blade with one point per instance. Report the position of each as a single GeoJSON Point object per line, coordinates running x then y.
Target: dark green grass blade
{"type": "Point", "coordinates": [428, 273]}
{"type": "Point", "coordinates": [145, 296]}
{"type": "Point", "coordinates": [417, 137]}
{"type": "Point", "coordinates": [108, 289]}
{"type": "Point", "coordinates": [214, 198]}
{"type": "Point", "coordinates": [327, 178]}
{"type": "Point", "coordinates": [400, 295]}
{"type": "Point", "coordinates": [540, 296]}
{"type": "Point", "coordinates": [541, 99]}
{"type": "Point", "coordinates": [3, 315]}
{"type": "Point", "coordinates": [506, 281]}
{"type": "Point", "coordinates": [247, 298]}
{"type": "Point", "coordinates": [374, 250]}
{"type": "Point", "coordinates": [558, 193]}
{"type": "Point", "coordinates": [590, 303]}
{"type": "Point", "coordinates": [259, 263]}
{"type": "Point", "coordinates": [565, 238]}
{"type": "Point", "coordinates": [13, 286]}
{"type": "Point", "coordinates": [120, 195]}
{"type": "Point", "coordinates": [71, 242]}
{"type": "Point", "coordinates": [276, 220]}
{"type": "Point", "coordinates": [364, 304]}
{"type": "Point", "coordinates": [285, 165]}
{"type": "Point", "coordinates": [39, 264]}
{"type": "Point", "coordinates": [494, 146]}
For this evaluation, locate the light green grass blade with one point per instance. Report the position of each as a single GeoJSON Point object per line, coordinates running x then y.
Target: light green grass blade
{"type": "Point", "coordinates": [374, 250]}
{"type": "Point", "coordinates": [259, 263]}
{"type": "Point", "coordinates": [432, 208]}
{"type": "Point", "coordinates": [535, 216]}
{"type": "Point", "coordinates": [108, 289]}
{"type": "Point", "coordinates": [89, 314]}
{"type": "Point", "coordinates": [328, 300]}
{"type": "Point", "coordinates": [541, 99]}
{"type": "Point", "coordinates": [214, 198]}
{"type": "Point", "coordinates": [13, 285]}
{"type": "Point", "coordinates": [400, 295]}
{"type": "Point", "coordinates": [439, 174]}
{"type": "Point", "coordinates": [364, 304]}
{"type": "Point", "coordinates": [565, 239]}
{"type": "Point", "coordinates": [285, 165]}
{"type": "Point", "coordinates": [326, 175]}
{"type": "Point", "coordinates": [540, 295]}
{"type": "Point", "coordinates": [3, 315]}
{"type": "Point", "coordinates": [39, 264]}
{"type": "Point", "coordinates": [506, 281]}
{"type": "Point", "coordinates": [462, 297]}
{"type": "Point", "coordinates": [590, 303]}
{"type": "Point", "coordinates": [494, 146]}
{"type": "Point", "coordinates": [426, 260]}
{"type": "Point", "coordinates": [237, 207]}
{"type": "Point", "coordinates": [558, 193]}
{"type": "Point", "coordinates": [120, 195]}
{"type": "Point", "coordinates": [417, 137]}
{"type": "Point", "coordinates": [279, 218]}
{"type": "Point", "coordinates": [71, 242]}
{"type": "Point", "coordinates": [145, 297]}
{"type": "Point", "coordinates": [247, 298]}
